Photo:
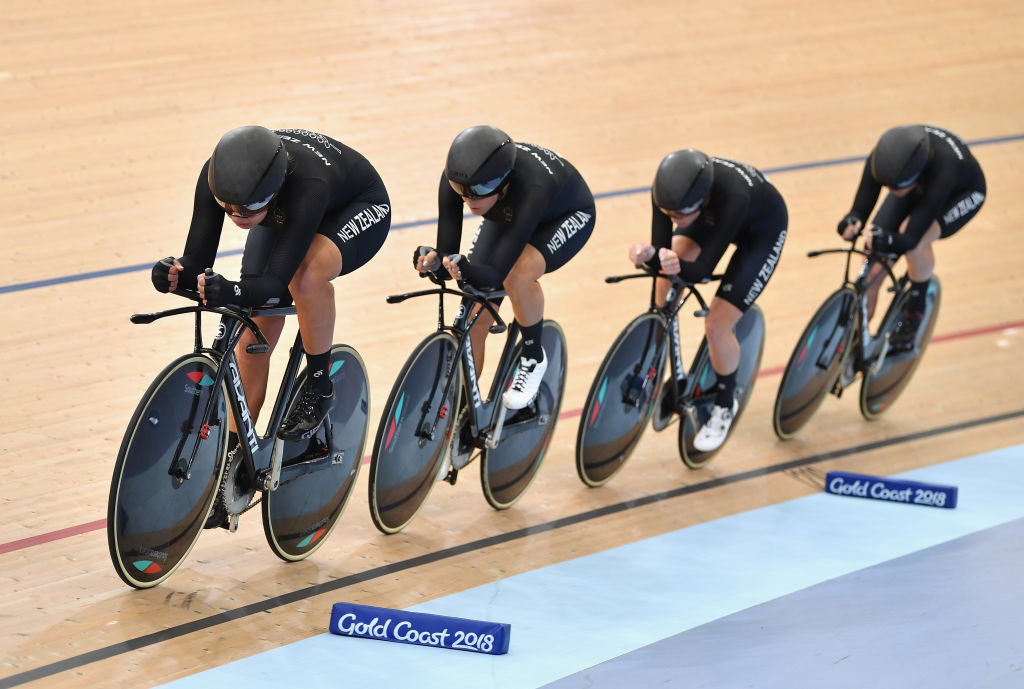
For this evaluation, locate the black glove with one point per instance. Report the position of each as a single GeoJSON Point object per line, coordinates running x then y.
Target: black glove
{"type": "Point", "coordinates": [423, 251]}
{"type": "Point", "coordinates": [161, 274]}
{"type": "Point", "coordinates": [849, 219]}
{"type": "Point", "coordinates": [220, 291]}
{"type": "Point", "coordinates": [459, 260]}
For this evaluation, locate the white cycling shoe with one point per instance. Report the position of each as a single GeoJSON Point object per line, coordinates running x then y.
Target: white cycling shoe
{"type": "Point", "coordinates": [713, 433]}
{"type": "Point", "coordinates": [526, 383]}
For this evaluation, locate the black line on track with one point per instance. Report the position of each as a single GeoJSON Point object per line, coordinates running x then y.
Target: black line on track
{"type": "Point", "coordinates": [327, 587]}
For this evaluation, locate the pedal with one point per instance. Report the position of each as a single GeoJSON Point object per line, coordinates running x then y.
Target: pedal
{"type": "Point", "coordinates": [462, 459]}
{"type": "Point", "coordinates": [232, 525]}
{"type": "Point", "coordinates": [495, 437]}
{"type": "Point", "coordinates": [452, 477]}
{"type": "Point", "coordinates": [691, 414]}
{"type": "Point", "coordinates": [178, 470]}
{"type": "Point", "coordinates": [876, 365]}
{"type": "Point", "coordinates": [664, 413]}
{"type": "Point", "coordinates": [528, 413]}
{"type": "Point", "coordinates": [633, 391]}
{"type": "Point", "coordinates": [273, 479]}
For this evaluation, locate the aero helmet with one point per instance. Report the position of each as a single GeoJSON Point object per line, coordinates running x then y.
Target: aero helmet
{"type": "Point", "coordinates": [900, 156]}
{"type": "Point", "coordinates": [247, 168]}
{"type": "Point", "coordinates": [683, 181]}
{"type": "Point", "coordinates": [480, 160]}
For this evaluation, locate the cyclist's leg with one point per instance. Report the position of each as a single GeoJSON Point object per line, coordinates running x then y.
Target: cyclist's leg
{"type": "Point", "coordinates": [551, 247]}
{"type": "Point", "coordinates": [255, 368]}
{"type": "Point", "coordinates": [478, 337]}
{"type": "Point", "coordinates": [920, 267]}
{"type": "Point", "coordinates": [875, 279]}
{"type": "Point", "coordinates": [959, 209]}
{"type": "Point", "coordinates": [527, 297]}
{"type": "Point", "coordinates": [921, 259]}
{"type": "Point", "coordinates": [346, 240]}
{"type": "Point", "coordinates": [750, 268]}
{"type": "Point", "coordinates": [723, 347]}
{"type": "Point", "coordinates": [314, 294]}
{"type": "Point", "coordinates": [523, 286]}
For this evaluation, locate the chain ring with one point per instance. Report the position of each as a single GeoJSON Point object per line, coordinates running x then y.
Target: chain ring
{"type": "Point", "coordinates": [460, 454]}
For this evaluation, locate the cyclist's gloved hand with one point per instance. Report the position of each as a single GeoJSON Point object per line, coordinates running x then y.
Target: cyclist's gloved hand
{"type": "Point", "coordinates": [217, 290]}
{"type": "Point", "coordinates": [453, 264]}
{"type": "Point", "coordinates": [850, 226]}
{"type": "Point", "coordinates": [669, 261]}
{"type": "Point", "coordinates": [163, 271]}
{"type": "Point", "coordinates": [640, 253]}
{"type": "Point", "coordinates": [420, 263]}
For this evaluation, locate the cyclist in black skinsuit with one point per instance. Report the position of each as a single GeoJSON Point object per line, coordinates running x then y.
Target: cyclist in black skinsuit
{"type": "Point", "coordinates": [935, 187]}
{"type": "Point", "coordinates": [314, 209]}
{"type": "Point", "coordinates": [537, 214]}
{"type": "Point", "coordinates": [713, 203]}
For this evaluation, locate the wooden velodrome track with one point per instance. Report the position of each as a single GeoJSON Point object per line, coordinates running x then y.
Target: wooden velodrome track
{"type": "Point", "coordinates": [110, 109]}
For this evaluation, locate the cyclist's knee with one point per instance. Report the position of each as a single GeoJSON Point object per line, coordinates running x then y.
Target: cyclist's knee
{"type": "Point", "coordinates": [321, 264]}
{"type": "Point", "coordinates": [308, 283]}
{"type": "Point", "coordinates": [721, 319]}
{"type": "Point", "coordinates": [526, 271]}
{"type": "Point", "coordinates": [924, 245]}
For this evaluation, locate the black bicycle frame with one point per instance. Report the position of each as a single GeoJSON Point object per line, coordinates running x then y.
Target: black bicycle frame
{"type": "Point", "coordinates": [682, 385]}
{"type": "Point", "coordinates": [485, 416]}
{"type": "Point", "coordinates": [261, 458]}
{"type": "Point", "coordinates": [860, 286]}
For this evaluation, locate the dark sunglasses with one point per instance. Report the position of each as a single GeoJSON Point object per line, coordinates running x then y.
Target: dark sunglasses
{"type": "Point", "coordinates": [478, 191]}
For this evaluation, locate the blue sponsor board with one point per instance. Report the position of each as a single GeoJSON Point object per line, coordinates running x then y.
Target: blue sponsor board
{"type": "Point", "coordinates": [890, 489]}
{"type": "Point", "coordinates": [422, 629]}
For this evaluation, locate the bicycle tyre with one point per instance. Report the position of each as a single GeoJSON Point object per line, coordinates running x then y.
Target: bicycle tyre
{"type": "Point", "coordinates": [508, 470]}
{"type": "Point", "coordinates": [621, 399]}
{"type": "Point", "coordinates": [302, 512]}
{"type": "Point", "coordinates": [404, 466]}
{"type": "Point", "coordinates": [804, 383]}
{"type": "Point", "coordinates": [154, 520]}
{"type": "Point", "coordinates": [878, 391]}
{"type": "Point", "coordinates": [750, 331]}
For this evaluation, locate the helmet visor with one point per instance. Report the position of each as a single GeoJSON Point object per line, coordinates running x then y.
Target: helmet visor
{"type": "Point", "coordinates": [476, 191]}
{"type": "Point", "coordinates": [686, 210]}
{"type": "Point", "coordinates": [245, 210]}
{"type": "Point", "coordinates": [903, 184]}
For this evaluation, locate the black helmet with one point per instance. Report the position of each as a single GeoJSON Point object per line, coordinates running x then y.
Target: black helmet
{"type": "Point", "coordinates": [479, 161]}
{"type": "Point", "coordinates": [683, 181]}
{"type": "Point", "coordinates": [247, 168]}
{"type": "Point", "coordinates": [900, 156]}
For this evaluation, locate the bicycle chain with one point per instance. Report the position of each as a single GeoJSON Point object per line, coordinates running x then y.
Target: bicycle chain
{"type": "Point", "coordinates": [221, 499]}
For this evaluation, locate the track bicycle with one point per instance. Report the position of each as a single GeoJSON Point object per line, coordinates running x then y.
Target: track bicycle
{"type": "Point", "coordinates": [838, 345]}
{"type": "Point", "coordinates": [436, 420]}
{"type": "Point", "coordinates": [174, 474]}
{"type": "Point", "coordinates": [629, 389]}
